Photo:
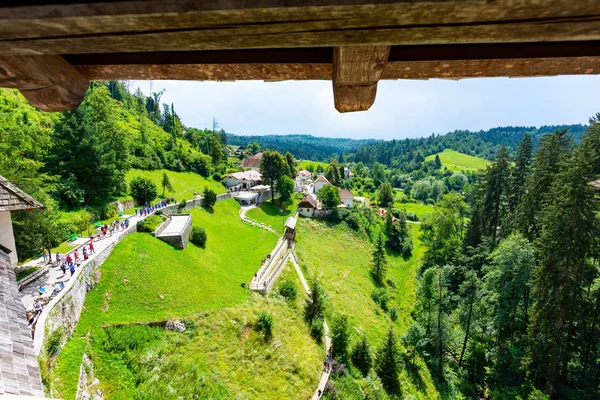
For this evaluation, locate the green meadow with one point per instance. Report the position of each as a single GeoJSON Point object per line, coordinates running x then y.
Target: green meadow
{"type": "Point", "coordinates": [184, 183]}
{"type": "Point", "coordinates": [419, 209]}
{"type": "Point", "coordinates": [275, 215]}
{"type": "Point", "coordinates": [220, 355]}
{"type": "Point", "coordinates": [304, 164]}
{"type": "Point", "coordinates": [455, 161]}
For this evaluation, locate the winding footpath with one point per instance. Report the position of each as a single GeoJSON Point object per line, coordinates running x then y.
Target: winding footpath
{"type": "Point", "coordinates": [325, 374]}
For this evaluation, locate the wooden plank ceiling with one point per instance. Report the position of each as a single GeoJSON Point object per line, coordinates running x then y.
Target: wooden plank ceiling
{"type": "Point", "coordinates": [51, 49]}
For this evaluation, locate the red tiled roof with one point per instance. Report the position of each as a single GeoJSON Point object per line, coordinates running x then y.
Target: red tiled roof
{"type": "Point", "coordinates": [252, 161]}
{"type": "Point", "coordinates": [346, 194]}
{"type": "Point", "coordinates": [307, 202]}
{"type": "Point", "coordinates": [304, 172]}
{"type": "Point", "coordinates": [322, 178]}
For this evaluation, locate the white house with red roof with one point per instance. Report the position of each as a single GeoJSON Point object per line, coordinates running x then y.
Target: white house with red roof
{"type": "Point", "coordinates": [307, 206]}
{"type": "Point", "coordinates": [348, 173]}
{"type": "Point", "coordinates": [347, 198]}
{"type": "Point", "coordinates": [252, 162]}
{"type": "Point", "coordinates": [319, 183]}
{"type": "Point", "coordinates": [243, 180]}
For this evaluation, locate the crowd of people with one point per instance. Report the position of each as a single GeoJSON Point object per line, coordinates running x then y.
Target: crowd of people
{"type": "Point", "coordinates": [149, 209]}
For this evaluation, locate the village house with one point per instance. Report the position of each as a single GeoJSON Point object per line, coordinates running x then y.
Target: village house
{"type": "Point", "coordinates": [252, 162]}
{"type": "Point", "coordinates": [303, 175]}
{"type": "Point", "coordinates": [236, 181]}
{"type": "Point", "coordinates": [319, 183]}
{"type": "Point", "coordinates": [348, 173]}
{"type": "Point", "coordinates": [12, 199]}
{"type": "Point", "coordinates": [347, 198]}
{"type": "Point", "coordinates": [307, 206]}
{"type": "Point", "coordinates": [239, 150]}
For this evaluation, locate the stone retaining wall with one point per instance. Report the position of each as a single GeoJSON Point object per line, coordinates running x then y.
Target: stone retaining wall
{"type": "Point", "coordinates": [63, 311]}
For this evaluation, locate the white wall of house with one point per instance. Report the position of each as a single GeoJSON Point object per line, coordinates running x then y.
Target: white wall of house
{"type": "Point", "coordinates": [7, 238]}
{"type": "Point", "coordinates": [319, 186]}
{"type": "Point", "coordinates": [348, 201]}
{"type": "Point", "coordinates": [307, 212]}
{"type": "Point", "coordinates": [231, 181]}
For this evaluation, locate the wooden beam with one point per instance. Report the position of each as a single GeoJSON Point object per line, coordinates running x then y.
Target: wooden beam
{"type": "Point", "coordinates": [183, 25]}
{"type": "Point", "coordinates": [356, 71]}
{"type": "Point", "coordinates": [48, 82]}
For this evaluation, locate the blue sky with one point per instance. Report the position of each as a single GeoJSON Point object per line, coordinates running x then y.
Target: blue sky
{"type": "Point", "coordinates": [402, 108]}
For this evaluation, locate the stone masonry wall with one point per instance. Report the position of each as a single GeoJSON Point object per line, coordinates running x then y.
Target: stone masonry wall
{"type": "Point", "coordinates": [64, 310]}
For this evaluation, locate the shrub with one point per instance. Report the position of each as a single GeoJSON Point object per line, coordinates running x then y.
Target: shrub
{"type": "Point", "coordinates": [182, 204]}
{"type": "Point", "coordinates": [150, 223]}
{"type": "Point", "coordinates": [391, 283]}
{"type": "Point", "coordinates": [361, 355]}
{"type": "Point", "coordinates": [54, 342]}
{"type": "Point", "coordinates": [381, 297]}
{"type": "Point", "coordinates": [338, 368]}
{"type": "Point", "coordinates": [412, 217]}
{"type": "Point", "coordinates": [108, 211]}
{"type": "Point", "coordinates": [353, 221]}
{"type": "Point", "coordinates": [331, 391]}
{"type": "Point", "coordinates": [198, 236]}
{"type": "Point", "coordinates": [316, 330]}
{"type": "Point", "coordinates": [265, 323]}
{"type": "Point", "coordinates": [340, 338]}
{"type": "Point", "coordinates": [143, 190]}
{"type": "Point", "coordinates": [159, 212]}
{"type": "Point", "coordinates": [217, 176]}
{"type": "Point", "coordinates": [394, 314]}
{"type": "Point", "coordinates": [288, 289]}
{"type": "Point", "coordinates": [210, 197]}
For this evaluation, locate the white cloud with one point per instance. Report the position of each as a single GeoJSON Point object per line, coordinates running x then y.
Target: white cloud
{"type": "Point", "coordinates": [402, 109]}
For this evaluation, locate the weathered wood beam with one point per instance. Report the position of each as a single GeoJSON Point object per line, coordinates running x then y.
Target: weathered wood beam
{"type": "Point", "coordinates": [356, 71]}
{"type": "Point", "coordinates": [48, 82]}
{"type": "Point", "coordinates": [183, 25]}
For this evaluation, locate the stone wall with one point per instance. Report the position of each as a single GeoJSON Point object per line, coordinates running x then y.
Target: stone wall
{"type": "Point", "coordinates": [179, 240]}
{"type": "Point", "coordinates": [63, 312]}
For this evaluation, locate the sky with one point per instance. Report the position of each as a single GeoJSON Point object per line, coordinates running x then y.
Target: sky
{"type": "Point", "coordinates": [404, 108]}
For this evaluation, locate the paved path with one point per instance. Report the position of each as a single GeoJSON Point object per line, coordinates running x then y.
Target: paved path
{"type": "Point", "coordinates": [244, 210]}
{"type": "Point", "coordinates": [324, 374]}
{"type": "Point", "coordinates": [54, 274]}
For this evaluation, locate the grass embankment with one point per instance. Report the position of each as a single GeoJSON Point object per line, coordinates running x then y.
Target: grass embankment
{"type": "Point", "coordinates": [419, 209]}
{"type": "Point", "coordinates": [220, 356]}
{"type": "Point", "coordinates": [455, 161]}
{"type": "Point", "coordinates": [304, 164]}
{"type": "Point", "coordinates": [184, 183]}
{"type": "Point", "coordinates": [341, 259]}
{"type": "Point", "coordinates": [275, 215]}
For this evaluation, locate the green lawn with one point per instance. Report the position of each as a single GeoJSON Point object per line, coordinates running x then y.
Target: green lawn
{"type": "Point", "coordinates": [455, 161]}
{"type": "Point", "coordinates": [304, 164]}
{"type": "Point", "coordinates": [416, 208]}
{"type": "Point", "coordinates": [273, 215]}
{"type": "Point", "coordinates": [184, 183]}
{"type": "Point", "coordinates": [341, 259]}
{"type": "Point", "coordinates": [220, 356]}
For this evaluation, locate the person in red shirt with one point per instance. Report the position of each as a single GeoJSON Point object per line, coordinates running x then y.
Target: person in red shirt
{"type": "Point", "coordinates": [92, 248]}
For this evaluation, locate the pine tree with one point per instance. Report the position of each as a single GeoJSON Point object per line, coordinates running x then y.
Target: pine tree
{"type": "Point", "coordinates": [552, 151]}
{"type": "Point", "coordinates": [496, 192]}
{"type": "Point", "coordinates": [333, 173]}
{"type": "Point", "coordinates": [387, 363]}
{"type": "Point", "coordinates": [385, 195]}
{"type": "Point", "coordinates": [361, 355]}
{"type": "Point", "coordinates": [566, 241]}
{"type": "Point", "coordinates": [519, 173]}
{"type": "Point", "coordinates": [379, 264]}
{"type": "Point", "coordinates": [438, 162]}
{"type": "Point", "coordinates": [340, 338]}
{"type": "Point", "coordinates": [272, 166]}
{"type": "Point", "coordinates": [166, 184]}
{"type": "Point", "coordinates": [315, 304]}
{"type": "Point", "coordinates": [291, 165]}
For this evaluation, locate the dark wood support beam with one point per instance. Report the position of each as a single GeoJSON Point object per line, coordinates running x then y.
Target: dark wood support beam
{"type": "Point", "coordinates": [49, 82]}
{"type": "Point", "coordinates": [356, 71]}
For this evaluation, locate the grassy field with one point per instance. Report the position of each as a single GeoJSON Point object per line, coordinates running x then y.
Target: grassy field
{"type": "Point", "coordinates": [220, 355]}
{"type": "Point", "coordinates": [341, 259]}
{"type": "Point", "coordinates": [275, 215]}
{"type": "Point", "coordinates": [184, 183]}
{"type": "Point", "coordinates": [455, 161]}
{"type": "Point", "coordinates": [416, 208]}
{"type": "Point", "coordinates": [304, 164]}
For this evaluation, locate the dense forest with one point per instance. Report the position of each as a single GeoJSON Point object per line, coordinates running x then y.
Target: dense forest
{"type": "Point", "coordinates": [509, 304]}
{"type": "Point", "coordinates": [305, 147]}
{"type": "Point", "coordinates": [77, 160]}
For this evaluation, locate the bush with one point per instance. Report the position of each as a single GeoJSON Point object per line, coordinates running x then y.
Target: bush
{"type": "Point", "coordinates": [316, 330]}
{"type": "Point", "coordinates": [159, 212]}
{"type": "Point", "coordinates": [210, 197]}
{"type": "Point", "coordinates": [265, 323]}
{"type": "Point", "coordinates": [150, 223]}
{"type": "Point", "coordinates": [394, 314]}
{"type": "Point", "coordinates": [381, 297]}
{"type": "Point", "coordinates": [109, 211]}
{"type": "Point", "coordinates": [198, 236]}
{"type": "Point", "coordinates": [288, 289]}
{"type": "Point", "coordinates": [182, 204]}
{"type": "Point", "coordinates": [331, 391]}
{"type": "Point", "coordinates": [143, 190]}
{"type": "Point", "coordinates": [412, 217]}
{"type": "Point", "coordinates": [391, 283]}
{"type": "Point", "coordinates": [217, 177]}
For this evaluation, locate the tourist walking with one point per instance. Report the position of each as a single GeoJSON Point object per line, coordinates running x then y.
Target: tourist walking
{"type": "Point", "coordinates": [72, 269]}
{"type": "Point", "coordinates": [85, 253]}
{"type": "Point", "coordinates": [76, 256]}
{"type": "Point", "coordinates": [92, 251]}
{"type": "Point", "coordinates": [45, 254]}
{"type": "Point", "coordinates": [63, 268]}
{"type": "Point", "coordinates": [57, 258]}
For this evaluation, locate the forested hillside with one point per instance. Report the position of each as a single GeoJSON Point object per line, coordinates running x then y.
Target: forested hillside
{"type": "Point", "coordinates": [78, 160]}
{"type": "Point", "coordinates": [484, 144]}
{"type": "Point", "coordinates": [305, 147]}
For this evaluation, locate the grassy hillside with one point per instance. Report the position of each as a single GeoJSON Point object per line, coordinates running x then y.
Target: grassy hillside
{"type": "Point", "coordinates": [221, 355]}
{"type": "Point", "coordinates": [419, 209]}
{"type": "Point", "coordinates": [184, 183]}
{"type": "Point", "coordinates": [304, 164]}
{"type": "Point", "coordinates": [455, 161]}
{"type": "Point", "coordinates": [341, 259]}
{"type": "Point", "coordinates": [275, 215]}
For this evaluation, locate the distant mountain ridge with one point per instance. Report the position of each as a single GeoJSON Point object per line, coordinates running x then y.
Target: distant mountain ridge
{"type": "Point", "coordinates": [483, 143]}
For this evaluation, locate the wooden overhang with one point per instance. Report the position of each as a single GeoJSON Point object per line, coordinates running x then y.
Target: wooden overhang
{"type": "Point", "coordinates": [51, 49]}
